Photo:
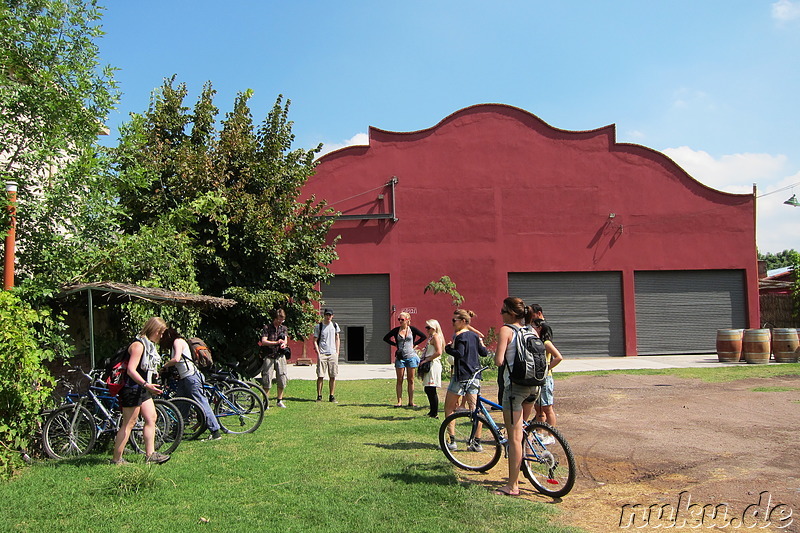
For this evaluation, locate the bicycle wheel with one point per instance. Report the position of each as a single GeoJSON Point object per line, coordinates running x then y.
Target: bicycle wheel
{"type": "Point", "coordinates": [239, 410]}
{"type": "Point", "coordinates": [477, 445]}
{"type": "Point", "coordinates": [258, 389]}
{"type": "Point", "coordinates": [69, 431]}
{"type": "Point", "coordinates": [194, 420]}
{"type": "Point", "coordinates": [547, 460]}
{"type": "Point", "coordinates": [169, 428]}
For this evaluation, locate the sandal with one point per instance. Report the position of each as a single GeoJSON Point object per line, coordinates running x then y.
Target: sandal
{"type": "Point", "coordinates": [505, 492]}
{"type": "Point", "coordinates": [413, 405]}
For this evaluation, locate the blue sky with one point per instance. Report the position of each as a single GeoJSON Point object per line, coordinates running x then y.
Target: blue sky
{"type": "Point", "coordinates": [714, 84]}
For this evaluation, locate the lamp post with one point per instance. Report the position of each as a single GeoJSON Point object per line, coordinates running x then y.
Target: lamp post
{"type": "Point", "coordinates": [8, 269]}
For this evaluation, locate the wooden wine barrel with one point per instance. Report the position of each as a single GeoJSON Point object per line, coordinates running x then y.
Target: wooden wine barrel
{"type": "Point", "coordinates": [785, 345]}
{"type": "Point", "coordinates": [756, 346]}
{"type": "Point", "coordinates": [729, 345]}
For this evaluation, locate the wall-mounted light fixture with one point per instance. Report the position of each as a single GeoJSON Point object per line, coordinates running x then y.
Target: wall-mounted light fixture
{"type": "Point", "coordinates": [612, 215]}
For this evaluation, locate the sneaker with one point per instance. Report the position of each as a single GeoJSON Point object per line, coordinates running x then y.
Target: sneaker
{"type": "Point", "coordinates": [121, 461]}
{"type": "Point", "coordinates": [214, 435]}
{"type": "Point", "coordinates": [281, 404]}
{"type": "Point", "coordinates": [332, 399]}
{"type": "Point", "coordinates": [319, 398]}
{"type": "Point", "coordinates": [475, 446]}
{"type": "Point", "coordinates": [547, 440]}
{"type": "Point", "coordinates": [157, 458]}
{"type": "Point", "coordinates": [452, 446]}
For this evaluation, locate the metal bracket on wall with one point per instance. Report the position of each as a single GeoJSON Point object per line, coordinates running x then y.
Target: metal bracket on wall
{"type": "Point", "coordinates": [375, 216]}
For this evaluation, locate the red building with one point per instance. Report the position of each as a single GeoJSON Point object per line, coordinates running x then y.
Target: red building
{"type": "Point", "coordinates": [626, 252]}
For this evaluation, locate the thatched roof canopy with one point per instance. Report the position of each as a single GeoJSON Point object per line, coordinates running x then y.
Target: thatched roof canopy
{"type": "Point", "coordinates": [113, 292]}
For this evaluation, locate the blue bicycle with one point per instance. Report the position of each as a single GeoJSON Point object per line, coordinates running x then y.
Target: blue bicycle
{"type": "Point", "coordinates": [547, 459]}
{"type": "Point", "coordinates": [72, 429]}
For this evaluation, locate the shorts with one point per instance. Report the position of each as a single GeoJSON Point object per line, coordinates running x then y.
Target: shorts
{"type": "Point", "coordinates": [515, 395]}
{"type": "Point", "coordinates": [276, 366]}
{"type": "Point", "coordinates": [132, 396]}
{"type": "Point", "coordinates": [457, 388]}
{"type": "Point", "coordinates": [546, 396]}
{"type": "Point", "coordinates": [328, 365]}
{"type": "Point", "coordinates": [408, 362]}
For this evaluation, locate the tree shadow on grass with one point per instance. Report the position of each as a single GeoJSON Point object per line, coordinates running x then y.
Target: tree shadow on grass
{"type": "Point", "coordinates": [404, 445]}
{"type": "Point", "coordinates": [389, 418]}
{"type": "Point", "coordinates": [427, 473]}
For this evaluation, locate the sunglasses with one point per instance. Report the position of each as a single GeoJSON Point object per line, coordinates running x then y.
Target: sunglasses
{"type": "Point", "coordinates": [457, 319]}
{"type": "Point", "coordinates": [428, 327]}
{"type": "Point", "coordinates": [401, 319]}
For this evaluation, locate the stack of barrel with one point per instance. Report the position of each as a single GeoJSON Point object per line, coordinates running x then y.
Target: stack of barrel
{"type": "Point", "coordinates": [756, 345]}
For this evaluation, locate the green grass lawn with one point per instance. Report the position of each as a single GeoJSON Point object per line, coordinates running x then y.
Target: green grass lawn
{"type": "Point", "coordinates": [357, 466]}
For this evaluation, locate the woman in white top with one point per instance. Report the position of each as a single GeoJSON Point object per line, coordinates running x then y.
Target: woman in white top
{"type": "Point", "coordinates": [515, 315]}
{"type": "Point", "coordinates": [190, 380]}
{"type": "Point", "coordinates": [432, 379]}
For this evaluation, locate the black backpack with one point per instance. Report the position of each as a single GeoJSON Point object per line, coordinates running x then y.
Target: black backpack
{"type": "Point", "coordinates": [529, 366]}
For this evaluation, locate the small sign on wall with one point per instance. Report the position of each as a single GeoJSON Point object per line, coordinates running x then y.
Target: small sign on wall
{"type": "Point", "coordinates": [409, 310]}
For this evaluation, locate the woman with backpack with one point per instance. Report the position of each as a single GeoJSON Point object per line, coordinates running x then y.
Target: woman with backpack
{"type": "Point", "coordinates": [190, 380]}
{"type": "Point", "coordinates": [136, 396]}
{"type": "Point", "coordinates": [515, 315]}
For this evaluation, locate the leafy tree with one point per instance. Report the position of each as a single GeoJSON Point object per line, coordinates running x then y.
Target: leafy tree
{"type": "Point", "coordinates": [447, 286]}
{"type": "Point", "coordinates": [24, 384]}
{"type": "Point", "coordinates": [224, 200]}
{"type": "Point", "coordinates": [781, 259]}
{"type": "Point", "coordinates": [53, 99]}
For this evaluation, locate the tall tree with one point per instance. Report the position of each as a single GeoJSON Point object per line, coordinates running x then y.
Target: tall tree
{"type": "Point", "coordinates": [53, 99]}
{"type": "Point", "coordinates": [231, 194]}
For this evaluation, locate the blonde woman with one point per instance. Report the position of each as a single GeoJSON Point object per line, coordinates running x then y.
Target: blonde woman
{"type": "Point", "coordinates": [432, 379]}
{"type": "Point", "coordinates": [405, 338]}
{"type": "Point", "coordinates": [466, 348]}
{"type": "Point", "coordinates": [135, 397]}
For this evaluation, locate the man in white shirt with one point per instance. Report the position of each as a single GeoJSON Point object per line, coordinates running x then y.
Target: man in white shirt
{"type": "Point", "coordinates": [326, 344]}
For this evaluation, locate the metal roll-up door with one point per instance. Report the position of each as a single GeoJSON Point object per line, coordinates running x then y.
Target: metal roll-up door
{"type": "Point", "coordinates": [360, 306]}
{"type": "Point", "coordinates": [584, 309]}
{"type": "Point", "coordinates": [679, 312]}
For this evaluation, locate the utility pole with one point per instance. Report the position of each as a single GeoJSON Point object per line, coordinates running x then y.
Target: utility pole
{"type": "Point", "coordinates": [8, 270]}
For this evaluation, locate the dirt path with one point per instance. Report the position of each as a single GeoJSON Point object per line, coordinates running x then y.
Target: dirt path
{"type": "Point", "coordinates": [678, 445]}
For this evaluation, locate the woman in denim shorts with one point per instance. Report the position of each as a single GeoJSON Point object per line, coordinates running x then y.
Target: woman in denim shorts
{"type": "Point", "coordinates": [515, 315]}
{"type": "Point", "coordinates": [405, 338]}
{"type": "Point", "coordinates": [466, 348]}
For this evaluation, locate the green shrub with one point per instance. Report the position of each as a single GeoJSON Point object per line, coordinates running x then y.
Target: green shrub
{"type": "Point", "coordinates": [25, 385]}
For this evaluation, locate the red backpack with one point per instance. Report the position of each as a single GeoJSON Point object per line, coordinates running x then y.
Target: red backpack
{"type": "Point", "coordinates": [116, 369]}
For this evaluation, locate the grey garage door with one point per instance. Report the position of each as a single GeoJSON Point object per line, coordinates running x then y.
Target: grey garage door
{"type": "Point", "coordinates": [584, 309]}
{"type": "Point", "coordinates": [679, 312]}
{"type": "Point", "coordinates": [361, 308]}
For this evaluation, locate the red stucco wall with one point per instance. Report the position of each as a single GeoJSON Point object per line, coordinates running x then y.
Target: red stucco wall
{"type": "Point", "coordinates": [492, 189]}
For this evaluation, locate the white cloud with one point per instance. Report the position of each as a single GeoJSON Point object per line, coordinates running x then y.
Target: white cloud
{"type": "Point", "coordinates": [734, 173]}
{"type": "Point", "coordinates": [357, 139]}
{"type": "Point", "coordinates": [786, 10]}
{"type": "Point", "coordinates": [776, 225]}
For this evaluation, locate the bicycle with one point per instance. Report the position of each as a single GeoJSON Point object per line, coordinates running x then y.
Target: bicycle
{"type": "Point", "coordinates": [238, 409]}
{"type": "Point", "coordinates": [547, 459]}
{"type": "Point", "coordinates": [72, 429]}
